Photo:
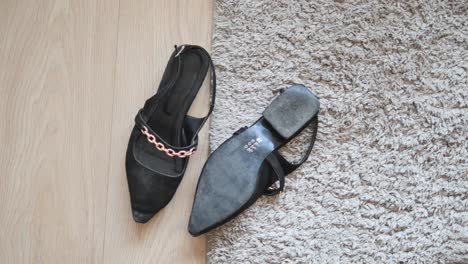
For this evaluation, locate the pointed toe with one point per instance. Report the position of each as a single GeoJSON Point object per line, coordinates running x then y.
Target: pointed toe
{"type": "Point", "coordinates": [140, 217]}
{"type": "Point", "coordinates": [207, 213]}
{"type": "Point", "coordinates": [193, 230]}
{"type": "Point", "coordinates": [149, 191]}
{"type": "Point", "coordinates": [198, 225]}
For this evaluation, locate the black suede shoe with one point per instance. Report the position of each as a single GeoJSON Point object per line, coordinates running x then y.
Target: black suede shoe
{"type": "Point", "coordinates": [164, 135]}
{"type": "Point", "coordinates": [248, 164]}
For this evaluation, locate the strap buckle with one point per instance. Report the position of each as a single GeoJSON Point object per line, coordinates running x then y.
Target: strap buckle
{"type": "Point", "coordinates": [180, 51]}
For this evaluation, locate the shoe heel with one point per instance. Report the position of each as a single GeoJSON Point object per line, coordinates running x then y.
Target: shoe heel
{"type": "Point", "coordinates": [292, 110]}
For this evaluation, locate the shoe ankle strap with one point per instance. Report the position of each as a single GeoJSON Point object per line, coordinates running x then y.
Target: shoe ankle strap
{"type": "Point", "coordinates": [281, 167]}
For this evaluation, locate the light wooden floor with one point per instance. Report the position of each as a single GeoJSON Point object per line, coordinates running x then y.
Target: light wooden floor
{"type": "Point", "coordinates": [73, 74]}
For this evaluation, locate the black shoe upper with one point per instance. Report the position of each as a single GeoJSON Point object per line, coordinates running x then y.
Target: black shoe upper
{"type": "Point", "coordinates": [164, 136]}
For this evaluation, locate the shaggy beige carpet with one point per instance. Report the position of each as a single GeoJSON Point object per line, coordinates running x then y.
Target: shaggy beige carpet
{"type": "Point", "coordinates": [387, 180]}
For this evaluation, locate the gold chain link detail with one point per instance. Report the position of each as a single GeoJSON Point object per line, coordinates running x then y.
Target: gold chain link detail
{"type": "Point", "coordinates": [160, 146]}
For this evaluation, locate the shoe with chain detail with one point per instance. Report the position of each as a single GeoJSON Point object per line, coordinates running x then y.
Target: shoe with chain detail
{"type": "Point", "coordinates": [164, 136]}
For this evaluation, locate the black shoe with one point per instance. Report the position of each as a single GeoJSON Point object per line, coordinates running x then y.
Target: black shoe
{"type": "Point", "coordinates": [164, 135]}
{"type": "Point", "coordinates": [248, 164]}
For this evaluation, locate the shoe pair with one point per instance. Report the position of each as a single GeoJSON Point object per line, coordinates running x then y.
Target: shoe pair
{"type": "Point", "coordinates": [242, 169]}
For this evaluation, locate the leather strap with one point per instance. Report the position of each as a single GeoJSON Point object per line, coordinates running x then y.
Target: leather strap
{"type": "Point", "coordinates": [240, 130]}
{"type": "Point", "coordinates": [196, 125]}
{"type": "Point", "coordinates": [281, 167]}
{"type": "Point", "coordinates": [274, 161]}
